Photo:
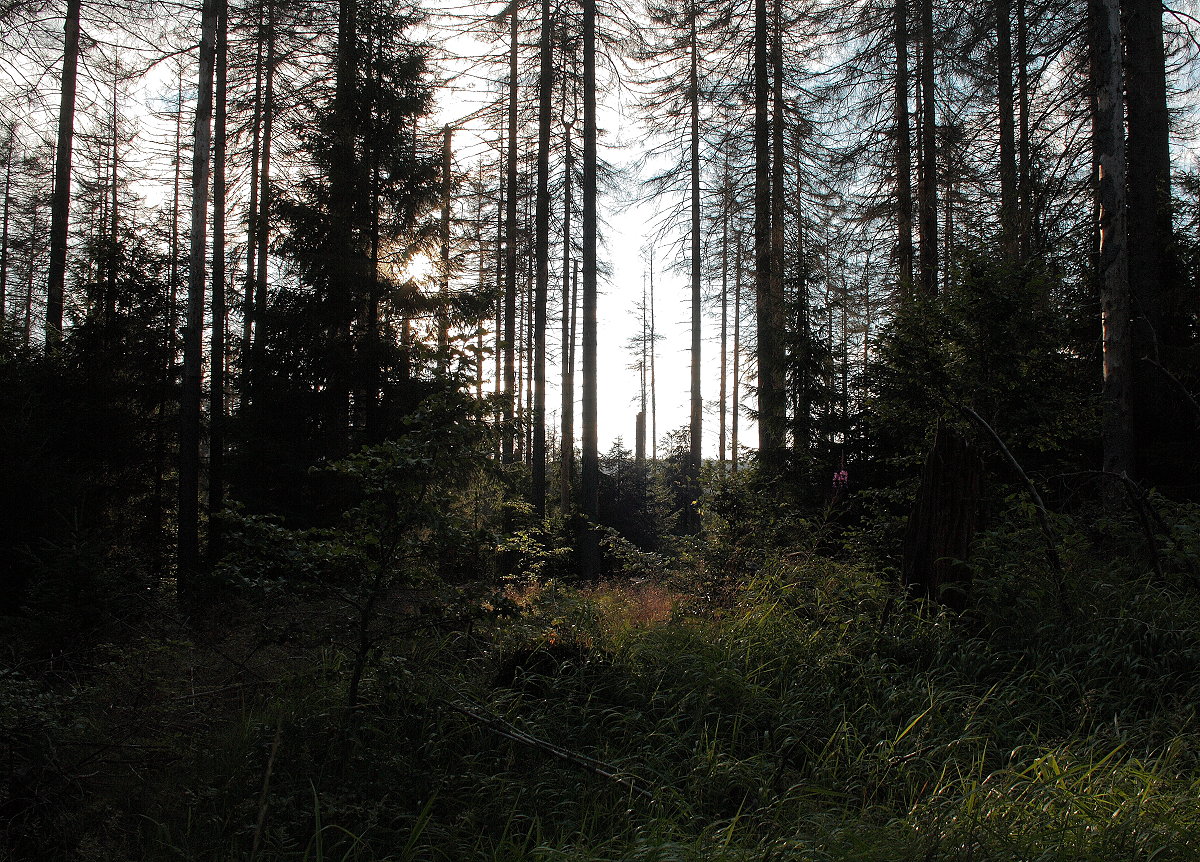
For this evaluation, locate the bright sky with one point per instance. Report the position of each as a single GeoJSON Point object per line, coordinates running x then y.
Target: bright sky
{"type": "Point", "coordinates": [623, 250]}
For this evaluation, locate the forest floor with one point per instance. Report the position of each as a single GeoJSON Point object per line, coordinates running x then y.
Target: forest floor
{"type": "Point", "coordinates": [803, 713]}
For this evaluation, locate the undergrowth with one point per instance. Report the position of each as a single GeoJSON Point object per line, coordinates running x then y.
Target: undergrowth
{"type": "Point", "coordinates": [813, 714]}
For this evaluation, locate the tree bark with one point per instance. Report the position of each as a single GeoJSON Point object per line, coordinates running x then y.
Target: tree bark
{"type": "Point", "coordinates": [943, 521]}
{"type": "Point", "coordinates": [1006, 105]}
{"type": "Point", "coordinates": [691, 518]}
{"type": "Point", "coordinates": [510, 244]}
{"type": "Point", "coordinates": [1148, 197]}
{"type": "Point", "coordinates": [216, 431]}
{"type": "Point", "coordinates": [189, 409]}
{"type": "Point", "coordinates": [567, 442]}
{"type": "Point", "coordinates": [929, 175]}
{"type": "Point", "coordinates": [590, 479]}
{"type": "Point", "coordinates": [60, 199]}
{"type": "Point", "coordinates": [542, 258]}
{"type": "Point", "coordinates": [770, 426]}
{"type": "Point", "coordinates": [1108, 147]}
{"type": "Point", "coordinates": [904, 203]}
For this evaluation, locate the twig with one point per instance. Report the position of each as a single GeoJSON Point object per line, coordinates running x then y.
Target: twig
{"type": "Point", "coordinates": [508, 731]}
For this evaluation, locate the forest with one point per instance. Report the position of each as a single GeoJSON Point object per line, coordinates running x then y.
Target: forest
{"type": "Point", "coordinates": [312, 313]}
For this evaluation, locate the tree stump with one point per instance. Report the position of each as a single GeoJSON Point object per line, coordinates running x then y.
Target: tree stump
{"type": "Point", "coordinates": [943, 521]}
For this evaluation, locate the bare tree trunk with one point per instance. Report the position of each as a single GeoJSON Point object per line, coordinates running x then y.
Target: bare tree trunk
{"type": "Point", "coordinates": [590, 484]}
{"type": "Point", "coordinates": [1008, 144]}
{"type": "Point", "coordinates": [443, 320]}
{"type": "Point", "coordinates": [4, 236]}
{"type": "Point", "coordinates": [770, 427]}
{"type": "Point", "coordinates": [691, 516]}
{"type": "Point", "coordinates": [567, 442]}
{"type": "Point", "coordinates": [1024, 180]}
{"type": "Point", "coordinates": [1156, 323]}
{"type": "Point", "coordinates": [216, 429]}
{"type": "Point", "coordinates": [653, 369]}
{"type": "Point", "coordinates": [904, 203]}
{"type": "Point", "coordinates": [929, 175]}
{"type": "Point", "coordinates": [510, 243]}
{"type": "Point", "coordinates": [60, 199]}
{"type": "Point", "coordinates": [259, 347]}
{"type": "Point", "coordinates": [725, 204]}
{"type": "Point", "coordinates": [189, 406]}
{"type": "Point", "coordinates": [1108, 142]}
{"type": "Point", "coordinates": [542, 258]}
{"type": "Point", "coordinates": [735, 395]}
{"type": "Point", "coordinates": [252, 217]}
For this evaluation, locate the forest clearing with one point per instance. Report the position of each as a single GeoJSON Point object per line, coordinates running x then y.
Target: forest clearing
{"type": "Point", "coordinates": [323, 324]}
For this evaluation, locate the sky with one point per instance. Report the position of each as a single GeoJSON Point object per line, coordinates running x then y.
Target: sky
{"type": "Point", "coordinates": [626, 230]}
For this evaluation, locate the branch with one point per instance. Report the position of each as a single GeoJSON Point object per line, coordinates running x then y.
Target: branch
{"type": "Point", "coordinates": [1178, 384]}
{"type": "Point", "coordinates": [1043, 515]}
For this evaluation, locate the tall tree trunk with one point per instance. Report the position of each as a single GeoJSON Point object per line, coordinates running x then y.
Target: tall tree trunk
{"type": "Point", "coordinates": [510, 242]}
{"type": "Point", "coordinates": [691, 519]}
{"type": "Point", "coordinates": [590, 479]}
{"type": "Point", "coordinates": [1006, 105]}
{"type": "Point", "coordinates": [263, 243]}
{"type": "Point", "coordinates": [1108, 143]}
{"type": "Point", "coordinates": [1148, 197]}
{"type": "Point", "coordinates": [252, 216]}
{"type": "Point", "coordinates": [189, 406]}
{"type": "Point", "coordinates": [60, 199]}
{"type": "Point", "coordinates": [542, 257]}
{"type": "Point", "coordinates": [653, 369]}
{"type": "Point", "coordinates": [443, 320]}
{"type": "Point", "coordinates": [721, 397]}
{"type": "Point", "coordinates": [770, 426]}
{"type": "Point", "coordinates": [567, 444]}
{"type": "Point", "coordinates": [929, 174]}
{"type": "Point", "coordinates": [4, 237]}
{"type": "Point", "coordinates": [735, 395]}
{"type": "Point", "coordinates": [904, 203]}
{"type": "Point", "coordinates": [216, 429]}
{"type": "Point", "coordinates": [1024, 180]}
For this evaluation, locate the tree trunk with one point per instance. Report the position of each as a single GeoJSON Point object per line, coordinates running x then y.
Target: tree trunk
{"type": "Point", "coordinates": [590, 480]}
{"type": "Point", "coordinates": [1008, 142]}
{"type": "Point", "coordinates": [60, 199]}
{"type": "Point", "coordinates": [943, 521]}
{"type": "Point", "coordinates": [443, 320]}
{"type": "Point", "coordinates": [4, 237]}
{"type": "Point", "coordinates": [216, 432]}
{"type": "Point", "coordinates": [735, 395]}
{"type": "Point", "coordinates": [189, 407]}
{"type": "Point", "coordinates": [252, 216]}
{"type": "Point", "coordinates": [691, 517]}
{"type": "Point", "coordinates": [258, 348]}
{"type": "Point", "coordinates": [1108, 148]}
{"type": "Point", "coordinates": [929, 176]}
{"type": "Point", "coordinates": [724, 389]}
{"type": "Point", "coordinates": [567, 441]}
{"type": "Point", "coordinates": [510, 244]}
{"type": "Point", "coordinates": [904, 203]}
{"type": "Point", "coordinates": [542, 258]}
{"type": "Point", "coordinates": [770, 430]}
{"type": "Point", "coordinates": [1148, 197]}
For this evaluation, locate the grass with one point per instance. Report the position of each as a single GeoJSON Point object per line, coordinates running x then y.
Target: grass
{"type": "Point", "coordinates": [810, 717]}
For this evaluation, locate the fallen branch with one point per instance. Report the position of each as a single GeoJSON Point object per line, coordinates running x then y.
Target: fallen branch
{"type": "Point", "coordinates": [503, 728]}
{"type": "Point", "coordinates": [1043, 515]}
